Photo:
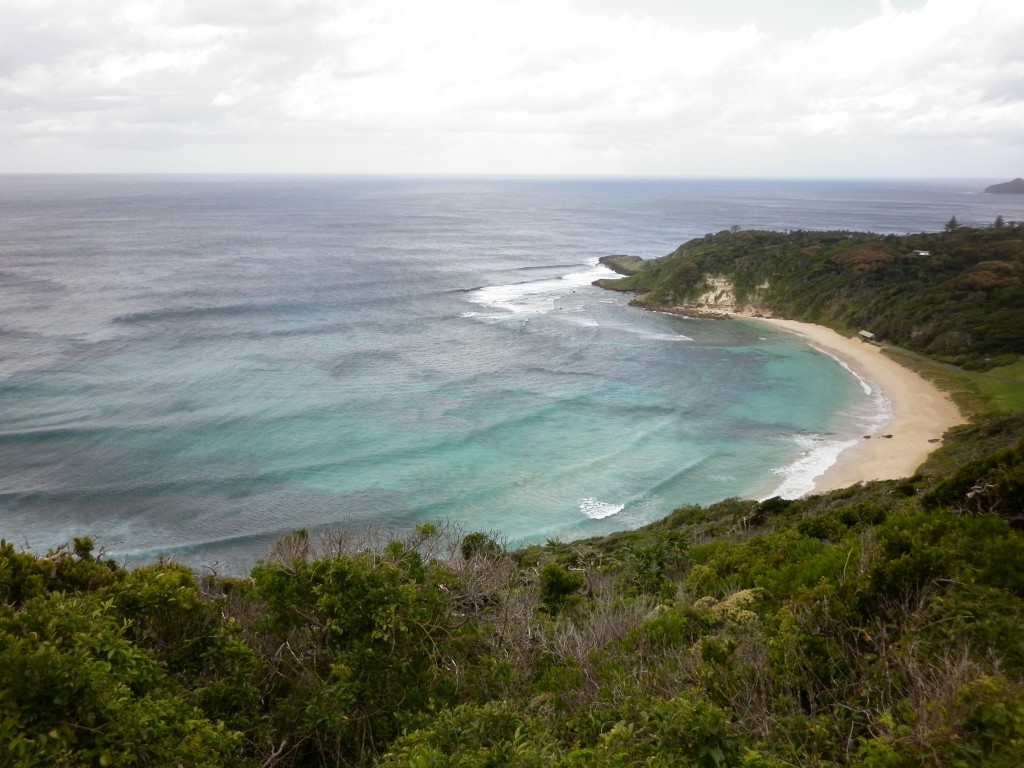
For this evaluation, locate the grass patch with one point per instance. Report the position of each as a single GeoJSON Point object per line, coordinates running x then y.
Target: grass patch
{"type": "Point", "coordinates": [1002, 387]}
{"type": "Point", "coordinates": [962, 387]}
{"type": "Point", "coordinates": [999, 390]}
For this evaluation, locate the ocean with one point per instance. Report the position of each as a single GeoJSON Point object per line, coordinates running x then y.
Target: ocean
{"type": "Point", "coordinates": [193, 366]}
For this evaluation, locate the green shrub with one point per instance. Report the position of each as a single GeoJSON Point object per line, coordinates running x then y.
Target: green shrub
{"type": "Point", "coordinates": [557, 583]}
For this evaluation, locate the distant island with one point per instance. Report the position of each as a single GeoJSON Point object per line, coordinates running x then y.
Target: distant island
{"type": "Point", "coordinates": [1015, 187]}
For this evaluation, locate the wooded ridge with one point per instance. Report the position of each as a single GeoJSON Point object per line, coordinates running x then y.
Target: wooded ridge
{"type": "Point", "coordinates": [956, 296]}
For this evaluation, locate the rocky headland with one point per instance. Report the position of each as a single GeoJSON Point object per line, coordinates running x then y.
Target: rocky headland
{"type": "Point", "coordinates": [717, 300]}
{"type": "Point", "coordinates": [622, 264]}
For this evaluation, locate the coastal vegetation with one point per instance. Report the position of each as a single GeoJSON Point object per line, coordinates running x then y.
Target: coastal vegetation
{"type": "Point", "coordinates": [874, 626]}
{"type": "Point", "coordinates": [956, 296]}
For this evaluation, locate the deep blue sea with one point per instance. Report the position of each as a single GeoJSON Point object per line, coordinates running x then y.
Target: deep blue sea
{"type": "Point", "coordinates": [194, 366]}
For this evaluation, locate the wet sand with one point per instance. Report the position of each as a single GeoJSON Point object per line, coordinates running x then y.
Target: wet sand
{"type": "Point", "coordinates": [920, 412]}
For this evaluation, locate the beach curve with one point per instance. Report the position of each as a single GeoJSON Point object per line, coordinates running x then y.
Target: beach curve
{"type": "Point", "coordinates": [920, 413]}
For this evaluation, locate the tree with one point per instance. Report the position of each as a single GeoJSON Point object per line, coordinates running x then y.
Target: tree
{"type": "Point", "coordinates": [74, 690]}
{"type": "Point", "coordinates": [557, 584]}
{"type": "Point", "coordinates": [356, 643]}
{"type": "Point", "coordinates": [999, 223]}
{"type": "Point", "coordinates": [479, 544]}
{"type": "Point", "coordinates": [952, 224]}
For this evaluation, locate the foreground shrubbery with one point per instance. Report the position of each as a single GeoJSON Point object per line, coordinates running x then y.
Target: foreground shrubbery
{"type": "Point", "coordinates": [875, 626]}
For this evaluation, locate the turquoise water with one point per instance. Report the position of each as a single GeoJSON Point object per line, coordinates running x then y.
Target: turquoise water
{"type": "Point", "coordinates": [195, 366]}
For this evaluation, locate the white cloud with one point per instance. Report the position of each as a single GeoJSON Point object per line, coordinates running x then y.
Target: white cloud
{"type": "Point", "coordinates": [546, 86]}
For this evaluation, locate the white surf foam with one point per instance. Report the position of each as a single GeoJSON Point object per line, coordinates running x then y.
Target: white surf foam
{"type": "Point", "coordinates": [665, 336]}
{"type": "Point", "coordinates": [536, 297]}
{"type": "Point", "coordinates": [868, 390]}
{"type": "Point", "coordinates": [598, 510]}
{"type": "Point", "coordinates": [819, 454]}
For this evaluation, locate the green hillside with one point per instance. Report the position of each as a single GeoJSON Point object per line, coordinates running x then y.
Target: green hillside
{"type": "Point", "coordinates": [875, 626]}
{"type": "Point", "coordinates": [956, 296]}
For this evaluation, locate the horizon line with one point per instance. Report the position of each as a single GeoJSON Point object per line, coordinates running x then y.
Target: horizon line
{"type": "Point", "coordinates": [494, 176]}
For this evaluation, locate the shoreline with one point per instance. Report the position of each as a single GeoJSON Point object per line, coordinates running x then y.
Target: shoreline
{"type": "Point", "coordinates": [920, 413]}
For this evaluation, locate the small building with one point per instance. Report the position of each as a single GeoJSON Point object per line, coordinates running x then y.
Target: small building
{"type": "Point", "coordinates": [867, 336]}
{"type": "Point", "coordinates": [922, 253]}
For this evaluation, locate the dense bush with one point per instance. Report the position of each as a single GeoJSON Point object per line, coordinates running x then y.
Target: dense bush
{"type": "Point", "coordinates": [866, 627]}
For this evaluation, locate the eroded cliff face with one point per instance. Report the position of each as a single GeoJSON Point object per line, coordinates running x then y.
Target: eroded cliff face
{"type": "Point", "coordinates": [720, 298]}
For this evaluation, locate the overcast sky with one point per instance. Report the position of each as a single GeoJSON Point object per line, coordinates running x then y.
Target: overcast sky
{"type": "Point", "coordinates": [819, 88]}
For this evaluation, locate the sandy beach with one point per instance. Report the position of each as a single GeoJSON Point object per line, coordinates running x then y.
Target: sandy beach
{"type": "Point", "coordinates": [920, 412]}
